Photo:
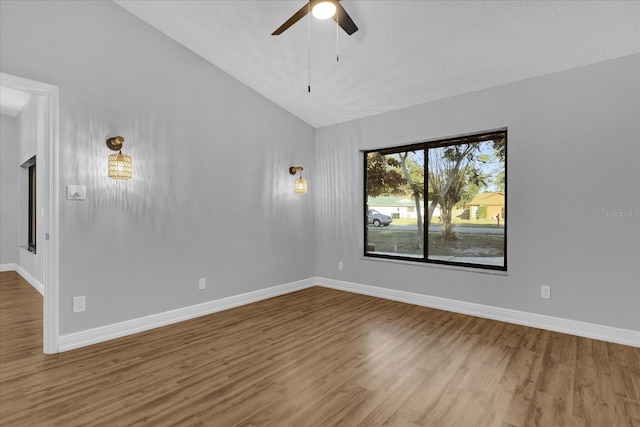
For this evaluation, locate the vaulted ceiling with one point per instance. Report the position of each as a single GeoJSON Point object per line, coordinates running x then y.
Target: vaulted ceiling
{"type": "Point", "coordinates": [404, 53]}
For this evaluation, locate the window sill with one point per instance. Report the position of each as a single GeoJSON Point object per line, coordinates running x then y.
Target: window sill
{"type": "Point", "coordinates": [26, 249]}
{"type": "Point", "coordinates": [433, 265]}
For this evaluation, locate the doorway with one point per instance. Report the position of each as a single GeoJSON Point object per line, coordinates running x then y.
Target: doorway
{"type": "Point", "coordinates": [49, 168]}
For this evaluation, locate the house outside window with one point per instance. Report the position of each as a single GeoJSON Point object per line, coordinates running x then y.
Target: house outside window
{"type": "Point", "coordinates": [448, 198]}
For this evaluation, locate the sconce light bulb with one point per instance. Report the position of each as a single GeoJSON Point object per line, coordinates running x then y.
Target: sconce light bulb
{"type": "Point", "coordinates": [120, 166]}
{"type": "Point", "coordinates": [301, 186]}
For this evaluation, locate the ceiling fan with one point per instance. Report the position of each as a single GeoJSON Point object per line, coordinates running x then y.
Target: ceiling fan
{"type": "Point", "coordinates": [321, 9]}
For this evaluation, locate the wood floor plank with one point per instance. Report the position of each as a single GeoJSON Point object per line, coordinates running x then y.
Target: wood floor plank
{"type": "Point", "coordinates": [317, 357]}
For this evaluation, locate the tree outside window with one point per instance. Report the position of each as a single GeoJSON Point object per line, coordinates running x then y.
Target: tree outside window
{"type": "Point", "coordinates": [456, 189]}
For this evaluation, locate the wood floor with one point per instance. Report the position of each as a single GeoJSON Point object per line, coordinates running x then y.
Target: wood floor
{"type": "Point", "coordinates": [317, 357]}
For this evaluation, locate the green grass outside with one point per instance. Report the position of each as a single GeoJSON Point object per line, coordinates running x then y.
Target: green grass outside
{"type": "Point", "coordinates": [408, 242]}
{"type": "Point", "coordinates": [483, 222]}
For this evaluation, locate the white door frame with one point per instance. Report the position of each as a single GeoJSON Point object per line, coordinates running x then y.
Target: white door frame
{"type": "Point", "coordinates": [51, 202]}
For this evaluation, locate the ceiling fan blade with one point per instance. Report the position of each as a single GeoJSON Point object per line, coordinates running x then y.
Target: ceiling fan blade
{"type": "Point", "coordinates": [304, 10]}
{"type": "Point", "coordinates": [344, 20]}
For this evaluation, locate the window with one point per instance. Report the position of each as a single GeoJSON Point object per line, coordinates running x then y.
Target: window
{"type": "Point", "coordinates": [30, 165]}
{"type": "Point", "coordinates": [453, 193]}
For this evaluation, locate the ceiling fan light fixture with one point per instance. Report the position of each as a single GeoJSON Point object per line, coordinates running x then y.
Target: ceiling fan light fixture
{"type": "Point", "coordinates": [324, 10]}
{"type": "Point", "coordinates": [321, 9]}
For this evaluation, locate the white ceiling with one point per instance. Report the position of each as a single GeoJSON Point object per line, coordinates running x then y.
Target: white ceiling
{"type": "Point", "coordinates": [12, 101]}
{"type": "Point", "coordinates": [405, 52]}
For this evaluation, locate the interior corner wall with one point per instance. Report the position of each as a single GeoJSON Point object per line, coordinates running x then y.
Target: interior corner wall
{"type": "Point", "coordinates": [211, 195]}
{"type": "Point", "coordinates": [573, 194]}
{"type": "Point", "coordinates": [9, 183]}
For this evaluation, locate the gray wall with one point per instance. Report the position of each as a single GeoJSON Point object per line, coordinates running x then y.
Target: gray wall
{"type": "Point", "coordinates": [9, 176]}
{"type": "Point", "coordinates": [573, 164]}
{"type": "Point", "coordinates": [211, 194]}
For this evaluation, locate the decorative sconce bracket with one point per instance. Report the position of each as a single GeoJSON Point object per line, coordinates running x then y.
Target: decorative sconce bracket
{"type": "Point", "coordinates": [295, 169]}
{"type": "Point", "coordinates": [115, 143]}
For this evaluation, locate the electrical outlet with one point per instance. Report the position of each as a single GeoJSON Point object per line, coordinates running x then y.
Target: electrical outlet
{"type": "Point", "coordinates": [545, 292]}
{"type": "Point", "coordinates": [202, 283]}
{"type": "Point", "coordinates": [340, 266]}
{"type": "Point", "coordinates": [79, 304]}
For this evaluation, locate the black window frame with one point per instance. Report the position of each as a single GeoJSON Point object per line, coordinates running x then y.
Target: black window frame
{"type": "Point", "coordinates": [30, 166]}
{"type": "Point", "coordinates": [426, 145]}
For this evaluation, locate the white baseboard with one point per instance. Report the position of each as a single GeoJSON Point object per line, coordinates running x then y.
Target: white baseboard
{"type": "Point", "coordinates": [557, 324]}
{"type": "Point", "coordinates": [583, 329]}
{"type": "Point", "coordinates": [7, 267]}
{"type": "Point", "coordinates": [32, 280]}
{"type": "Point", "coordinates": [25, 275]}
{"type": "Point", "coordinates": [105, 333]}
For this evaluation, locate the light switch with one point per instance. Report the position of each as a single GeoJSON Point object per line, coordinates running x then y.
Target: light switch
{"type": "Point", "coordinates": [76, 192]}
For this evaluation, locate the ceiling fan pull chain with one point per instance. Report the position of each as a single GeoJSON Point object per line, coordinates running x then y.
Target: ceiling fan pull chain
{"type": "Point", "coordinates": [309, 50]}
{"type": "Point", "coordinates": [337, 35]}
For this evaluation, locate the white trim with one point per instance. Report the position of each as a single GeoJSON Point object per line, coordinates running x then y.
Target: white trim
{"type": "Point", "coordinates": [557, 324]}
{"type": "Point", "coordinates": [474, 270]}
{"type": "Point", "coordinates": [25, 275]}
{"type": "Point", "coordinates": [51, 328]}
{"type": "Point", "coordinates": [8, 267]}
{"type": "Point", "coordinates": [117, 330]}
{"type": "Point", "coordinates": [50, 290]}
{"type": "Point", "coordinates": [574, 327]}
{"type": "Point", "coordinates": [30, 279]}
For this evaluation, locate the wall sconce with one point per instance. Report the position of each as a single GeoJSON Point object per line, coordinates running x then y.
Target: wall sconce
{"type": "Point", "coordinates": [119, 164]}
{"type": "Point", "coordinates": [300, 183]}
